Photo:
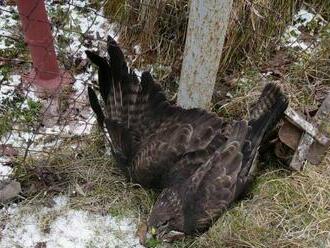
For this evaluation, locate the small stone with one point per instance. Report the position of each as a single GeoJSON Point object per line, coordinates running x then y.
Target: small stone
{"type": "Point", "coordinates": [9, 190]}
{"type": "Point", "coordinates": [41, 245]}
{"type": "Point", "coordinates": [8, 150]}
{"type": "Point", "coordinates": [228, 94]}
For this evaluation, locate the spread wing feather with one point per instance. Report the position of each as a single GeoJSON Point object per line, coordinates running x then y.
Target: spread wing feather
{"type": "Point", "coordinates": [148, 134]}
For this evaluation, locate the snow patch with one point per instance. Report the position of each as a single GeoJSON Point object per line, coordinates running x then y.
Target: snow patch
{"type": "Point", "coordinates": [304, 16]}
{"type": "Point", "coordinates": [292, 34]}
{"type": "Point", "coordinates": [137, 49]}
{"type": "Point", "coordinates": [7, 24]}
{"type": "Point", "coordinates": [84, 29]}
{"type": "Point", "coordinates": [7, 87]}
{"type": "Point", "coordinates": [5, 171]}
{"type": "Point", "coordinates": [67, 227]}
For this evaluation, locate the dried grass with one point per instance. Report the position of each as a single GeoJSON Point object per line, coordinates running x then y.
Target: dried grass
{"type": "Point", "coordinates": [253, 29]}
{"type": "Point", "coordinates": [85, 174]}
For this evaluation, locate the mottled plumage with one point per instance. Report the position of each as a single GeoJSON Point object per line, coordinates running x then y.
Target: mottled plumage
{"type": "Point", "coordinates": [201, 162]}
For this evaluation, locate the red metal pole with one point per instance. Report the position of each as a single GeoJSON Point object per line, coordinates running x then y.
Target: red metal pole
{"type": "Point", "coordinates": [38, 36]}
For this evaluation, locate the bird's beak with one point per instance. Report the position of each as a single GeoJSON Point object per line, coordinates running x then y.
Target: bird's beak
{"type": "Point", "coordinates": [153, 231]}
{"type": "Point", "coordinates": [172, 236]}
{"type": "Point", "coordinates": [145, 234]}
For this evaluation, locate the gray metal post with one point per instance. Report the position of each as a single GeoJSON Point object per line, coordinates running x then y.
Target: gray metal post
{"type": "Point", "coordinates": [208, 21]}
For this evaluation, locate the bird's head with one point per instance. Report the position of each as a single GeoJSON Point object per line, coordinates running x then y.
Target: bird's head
{"type": "Point", "coordinates": [166, 218]}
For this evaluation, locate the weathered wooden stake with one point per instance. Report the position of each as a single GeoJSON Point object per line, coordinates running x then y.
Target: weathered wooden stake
{"type": "Point", "coordinates": [314, 140]}
{"type": "Point", "coordinates": [208, 21]}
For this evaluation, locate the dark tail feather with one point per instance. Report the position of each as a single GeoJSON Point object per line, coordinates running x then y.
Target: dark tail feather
{"type": "Point", "coordinates": [120, 143]}
{"type": "Point", "coordinates": [156, 96]}
{"type": "Point", "coordinates": [104, 73]}
{"type": "Point", "coordinates": [128, 103]}
{"type": "Point", "coordinates": [117, 60]}
{"type": "Point", "coordinates": [96, 59]}
{"type": "Point", "coordinates": [94, 102]}
{"type": "Point", "coordinates": [265, 114]}
{"type": "Point", "coordinates": [119, 90]}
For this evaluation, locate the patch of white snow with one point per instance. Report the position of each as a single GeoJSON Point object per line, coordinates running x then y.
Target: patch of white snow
{"type": "Point", "coordinates": [5, 171]}
{"type": "Point", "coordinates": [67, 228]}
{"type": "Point", "coordinates": [292, 34]}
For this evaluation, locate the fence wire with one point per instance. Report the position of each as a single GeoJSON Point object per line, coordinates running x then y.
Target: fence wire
{"type": "Point", "coordinates": [35, 125]}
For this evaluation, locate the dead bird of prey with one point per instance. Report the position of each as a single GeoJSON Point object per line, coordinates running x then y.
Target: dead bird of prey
{"type": "Point", "coordinates": [201, 162]}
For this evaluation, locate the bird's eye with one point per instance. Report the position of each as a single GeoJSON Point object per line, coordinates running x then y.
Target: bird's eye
{"type": "Point", "coordinates": [162, 224]}
{"type": "Point", "coordinates": [165, 223]}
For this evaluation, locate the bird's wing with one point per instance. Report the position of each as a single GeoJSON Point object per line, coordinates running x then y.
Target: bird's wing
{"type": "Point", "coordinates": [182, 135]}
{"type": "Point", "coordinates": [225, 177]}
{"type": "Point", "coordinates": [125, 106]}
{"type": "Point", "coordinates": [146, 131]}
{"type": "Point", "coordinates": [265, 114]}
{"type": "Point", "coordinates": [212, 187]}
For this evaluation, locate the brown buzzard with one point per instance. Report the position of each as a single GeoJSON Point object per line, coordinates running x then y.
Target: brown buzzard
{"type": "Point", "coordinates": [201, 162]}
